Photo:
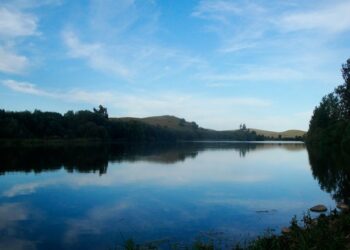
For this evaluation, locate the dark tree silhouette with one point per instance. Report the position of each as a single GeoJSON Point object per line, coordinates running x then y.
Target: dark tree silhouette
{"type": "Point", "coordinates": [101, 111]}
{"type": "Point", "coordinates": [96, 125]}
{"type": "Point", "coordinates": [330, 122]}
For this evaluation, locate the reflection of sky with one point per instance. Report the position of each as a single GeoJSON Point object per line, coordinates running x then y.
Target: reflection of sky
{"type": "Point", "coordinates": [217, 191]}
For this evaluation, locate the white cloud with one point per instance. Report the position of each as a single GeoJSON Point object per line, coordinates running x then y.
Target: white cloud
{"type": "Point", "coordinates": [94, 54]}
{"type": "Point", "coordinates": [131, 60]}
{"type": "Point", "coordinates": [163, 101]}
{"type": "Point", "coordinates": [10, 62]}
{"type": "Point", "coordinates": [216, 10]}
{"type": "Point", "coordinates": [256, 73]}
{"type": "Point", "coordinates": [24, 87]}
{"type": "Point", "coordinates": [234, 46]}
{"type": "Point", "coordinates": [28, 4]}
{"type": "Point", "coordinates": [74, 95]}
{"type": "Point", "coordinates": [120, 38]}
{"type": "Point", "coordinates": [112, 17]}
{"type": "Point", "coordinates": [332, 18]}
{"type": "Point", "coordinates": [239, 25]}
{"type": "Point", "coordinates": [16, 24]}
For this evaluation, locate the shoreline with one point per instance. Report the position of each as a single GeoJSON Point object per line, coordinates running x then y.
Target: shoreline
{"type": "Point", "coordinates": [92, 141]}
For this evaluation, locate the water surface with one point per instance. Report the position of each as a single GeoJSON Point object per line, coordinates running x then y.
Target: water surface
{"type": "Point", "coordinates": [97, 197]}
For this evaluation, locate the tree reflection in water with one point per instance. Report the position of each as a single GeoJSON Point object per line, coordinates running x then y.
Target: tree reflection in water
{"type": "Point", "coordinates": [331, 169]}
{"type": "Point", "coordinates": [95, 158]}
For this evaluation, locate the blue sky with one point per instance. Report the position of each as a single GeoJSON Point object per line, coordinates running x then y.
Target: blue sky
{"type": "Point", "coordinates": [266, 63]}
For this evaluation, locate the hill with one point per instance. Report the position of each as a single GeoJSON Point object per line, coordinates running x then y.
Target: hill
{"type": "Point", "coordinates": [275, 135]}
{"type": "Point", "coordinates": [179, 124]}
{"type": "Point", "coordinates": [164, 121]}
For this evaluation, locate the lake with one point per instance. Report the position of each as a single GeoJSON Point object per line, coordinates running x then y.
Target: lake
{"type": "Point", "coordinates": [97, 197]}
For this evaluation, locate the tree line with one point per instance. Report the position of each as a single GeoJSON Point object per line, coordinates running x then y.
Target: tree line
{"type": "Point", "coordinates": [330, 122]}
{"type": "Point", "coordinates": [95, 124]}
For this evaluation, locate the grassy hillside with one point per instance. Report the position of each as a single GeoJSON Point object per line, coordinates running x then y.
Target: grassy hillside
{"type": "Point", "coordinates": [179, 124]}
{"type": "Point", "coordinates": [165, 121]}
{"type": "Point", "coordinates": [284, 134]}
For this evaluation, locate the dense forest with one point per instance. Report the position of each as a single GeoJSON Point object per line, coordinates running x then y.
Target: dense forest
{"type": "Point", "coordinates": [330, 122]}
{"type": "Point", "coordinates": [97, 125]}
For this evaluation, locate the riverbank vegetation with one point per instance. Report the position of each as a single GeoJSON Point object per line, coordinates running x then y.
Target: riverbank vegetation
{"type": "Point", "coordinates": [330, 122]}
{"type": "Point", "coordinates": [96, 125]}
{"type": "Point", "coordinates": [330, 231]}
{"type": "Point", "coordinates": [325, 232]}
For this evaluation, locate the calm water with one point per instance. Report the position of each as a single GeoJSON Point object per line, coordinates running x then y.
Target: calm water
{"type": "Point", "coordinates": [96, 197]}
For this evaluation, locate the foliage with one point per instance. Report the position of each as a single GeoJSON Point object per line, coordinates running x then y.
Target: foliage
{"type": "Point", "coordinates": [325, 232]}
{"type": "Point", "coordinates": [330, 122]}
{"type": "Point", "coordinates": [101, 111]}
{"type": "Point", "coordinates": [96, 125]}
{"type": "Point", "coordinates": [242, 127]}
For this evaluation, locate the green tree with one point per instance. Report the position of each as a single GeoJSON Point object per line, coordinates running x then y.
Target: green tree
{"type": "Point", "coordinates": [327, 113]}
{"type": "Point", "coordinates": [101, 111]}
{"type": "Point", "coordinates": [343, 91]}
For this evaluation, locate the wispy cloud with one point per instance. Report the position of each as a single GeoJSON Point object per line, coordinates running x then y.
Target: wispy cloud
{"type": "Point", "coordinates": [333, 18]}
{"type": "Point", "coordinates": [95, 55]}
{"type": "Point", "coordinates": [18, 23]}
{"type": "Point", "coordinates": [244, 24]}
{"type": "Point", "coordinates": [239, 24]}
{"type": "Point", "coordinates": [10, 62]}
{"type": "Point", "coordinates": [256, 74]}
{"type": "Point", "coordinates": [74, 95]}
{"type": "Point", "coordinates": [24, 87]}
{"type": "Point", "coordinates": [131, 60]}
{"type": "Point", "coordinates": [276, 41]}
{"type": "Point", "coordinates": [137, 56]}
{"type": "Point", "coordinates": [15, 24]}
{"type": "Point", "coordinates": [29, 4]}
{"type": "Point", "coordinates": [216, 10]}
{"type": "Point", "coordinates": [114, 17]}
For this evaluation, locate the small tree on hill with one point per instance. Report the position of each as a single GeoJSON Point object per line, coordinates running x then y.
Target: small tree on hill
{"type": "Point", "coordinates": [242, 127]}
{"type": "Point", "coordinates": [101, 111]}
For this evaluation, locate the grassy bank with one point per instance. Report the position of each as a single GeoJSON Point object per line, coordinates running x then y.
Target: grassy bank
{"type": "Point", "coordinates": [330, 231]}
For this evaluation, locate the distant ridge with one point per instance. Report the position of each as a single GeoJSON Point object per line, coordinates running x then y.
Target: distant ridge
{"type": "Point", "coordinates": [173, 122]}
{"type": "Point", "coordinates": [164, 121]}
{"type": "Point", "coordinates": [285, 134]}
